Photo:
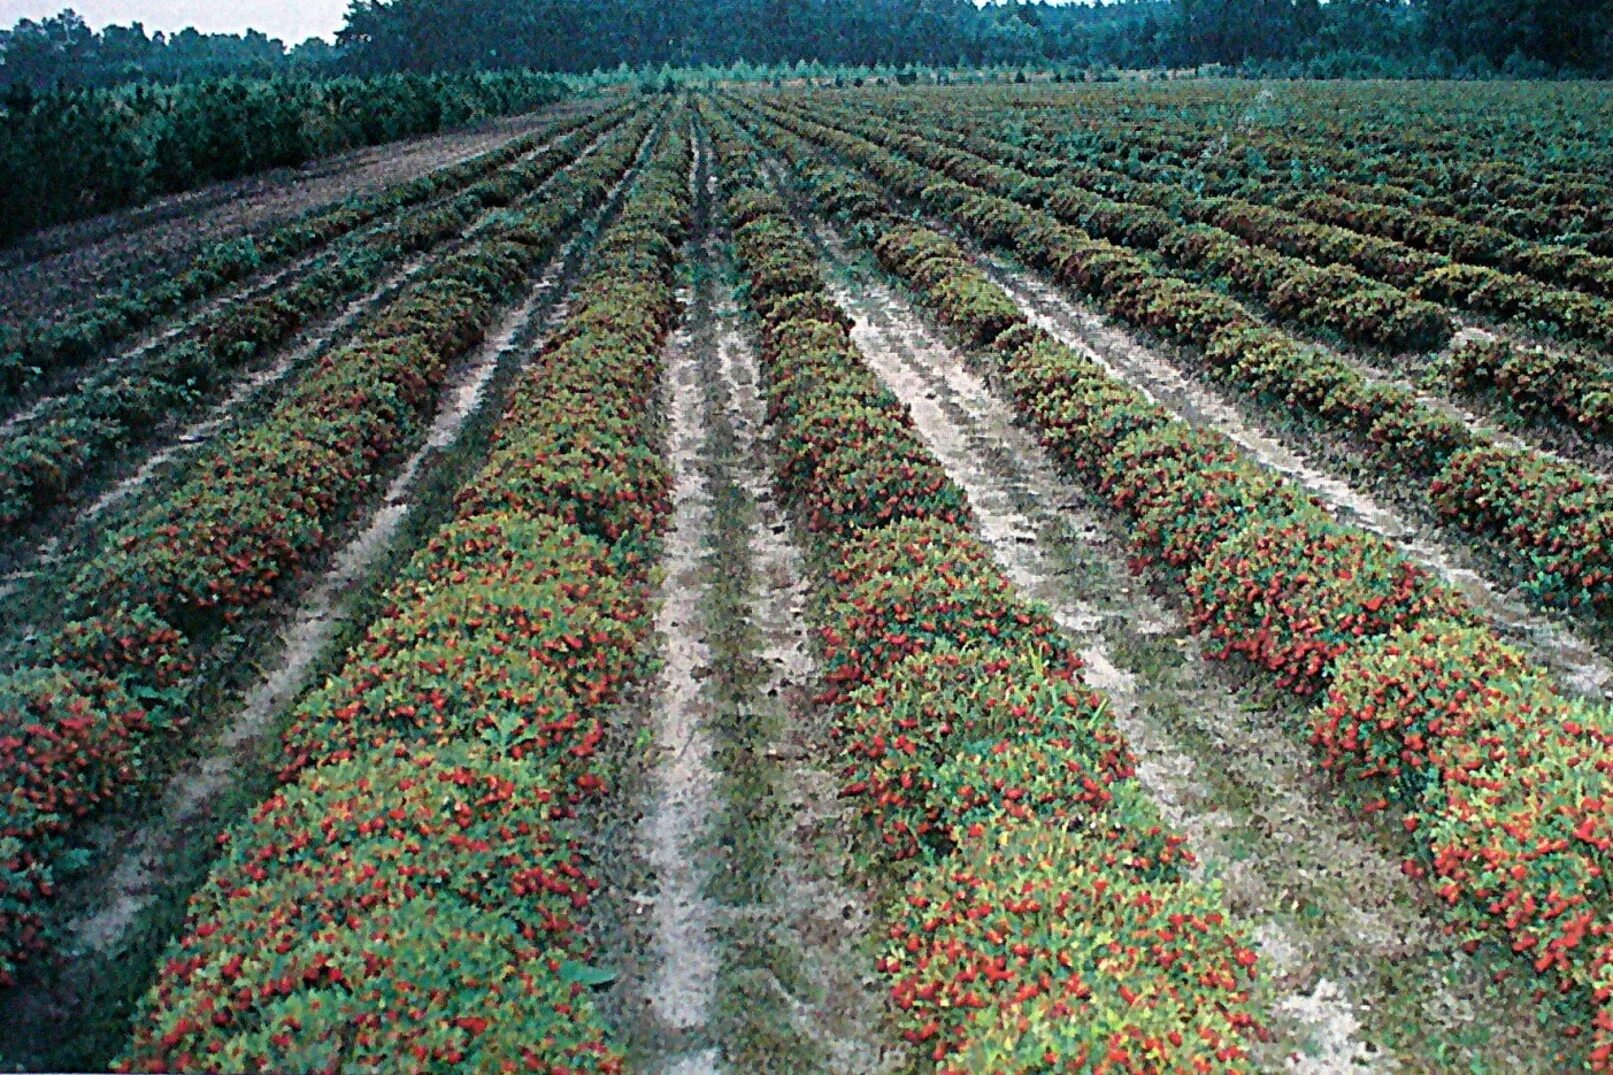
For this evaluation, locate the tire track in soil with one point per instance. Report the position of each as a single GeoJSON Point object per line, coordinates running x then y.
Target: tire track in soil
{"type": "Point", "coordinates": [132, 880]}
{"type": "Point", "coordinates": [680, 992]}
{"type": "Point", "coordinates": [1579, 664]}
{"type": "Point", "coordinates": [1335, 919]}
{"type": "Point", "coordinates": [820, 917]}
{"type": "Point", "coordinates": [684, 984]}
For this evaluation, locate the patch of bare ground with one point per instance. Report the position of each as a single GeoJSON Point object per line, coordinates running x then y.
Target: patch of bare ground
{"type": "Point", "coordinates": [1357, 973]}
{"type": "Point", "coordinates": [817, 921]}
{"type": "Point", "coordinates": [66, 266]}
{"type": "Point", "coordinates": [1576, 660]}
{"type": "Point", "coordinates": [145, 865]}
{"type": "Point", "coordinates": [682, 987]}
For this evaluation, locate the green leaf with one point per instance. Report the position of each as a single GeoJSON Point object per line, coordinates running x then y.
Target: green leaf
{"type": "Point", "coordinates": [584, 974]}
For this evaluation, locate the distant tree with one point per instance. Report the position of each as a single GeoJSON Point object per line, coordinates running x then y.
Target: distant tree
{"type": "Point", "coordinates": [1558, 34]}
{"type": "Point", "coordinates": [63, 52]}
{"type": "Point", "coordinates": [1470, 38]}
{"type": "Point", "coordinates": [1234, 31]}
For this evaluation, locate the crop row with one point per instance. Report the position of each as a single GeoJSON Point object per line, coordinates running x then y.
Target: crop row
{"type": "Point", "coordinates": [424, 844]}
{"type": "Point", "coordinates": [1565, 389]}
{"type": "Point", "coordinates": [1335, 299]}
{"type": "Point", "coordinates": [1556, 388]}
{"type": "Point", "coordinates": [1504, 782]}
{"type": "Point", "coordinates": [81, 725]}
{"type": "Point", "coordinates": [35, 354]}
{"type": "Point", "coordinates": [1534, 199]}
{"type": "Point", "coordinates": [1045, 918]}
{"type": "Point", "coordinates": [1564, 266]}
{"type": "Point", "coordinates": [1334, 296]}
{"type": "Point", "coordinates": [72, 435]}
{"type": "Point", "coordinates": [1487, 286]}
{"type": "Point", "coordinates": [1549, 519]}
{"type": "Point", "coordinates": [1161, 170]}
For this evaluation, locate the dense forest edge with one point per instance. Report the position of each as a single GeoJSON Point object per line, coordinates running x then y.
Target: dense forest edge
{"type": "Point", "coordinates": [1266, 38]}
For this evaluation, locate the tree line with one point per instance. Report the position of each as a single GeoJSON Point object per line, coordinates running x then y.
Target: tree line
{"type": "Point", "coordinates": [1425, 38]}
{"type": "Point", "coordinates": [1420, 38]}
{"type": "Point", "coordinates": [64, 52]}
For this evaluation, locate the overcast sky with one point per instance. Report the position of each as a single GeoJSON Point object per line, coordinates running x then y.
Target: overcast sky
{"type": "Point", "coordinates": [290, 20]}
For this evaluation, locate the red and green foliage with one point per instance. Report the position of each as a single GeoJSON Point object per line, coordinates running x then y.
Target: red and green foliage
{"type": "Point", "coordinates": [1292, 596]}
{"type": "Point", "coordinates": [353, 916]}
{"type": "Point", "coordinates": [414, 895]}
{"type": "Point", "coordinates": [1403, 433]}
{"type": "Point", "coordinates": [263, 505]}
{"type": "Point", "coordinates": [964, 725]}
{"type": "Point", "coordinates": [1027, 951]}
{"type": "Point", "coordinates": [1502, 781]}
{"type": "Point", "coordinates": [1188, 490]}
{"type": "Point", "coordinates": [1568, 388]}
{"type": "Point", "coordinates": [912, 743]}
{"type": "Point", "coordinates": [904, 589]}
{"type": "Point", "coordinates": [1506, 785]}
{"type": "Point", "coordinates": [71, 437]}
{"type": "Point", "coordinates": [1556, 512]}
{"type": "Point", "coordinates": [508, 630]}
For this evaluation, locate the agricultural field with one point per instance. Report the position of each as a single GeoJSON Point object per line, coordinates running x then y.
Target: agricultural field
{"type": "Point", "coordinates": [992, 579]}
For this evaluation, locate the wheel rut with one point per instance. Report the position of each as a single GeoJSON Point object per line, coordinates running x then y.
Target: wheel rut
{"type": "Point", "coordinates": [754, 937]}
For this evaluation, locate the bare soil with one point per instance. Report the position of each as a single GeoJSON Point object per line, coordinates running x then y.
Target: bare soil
{"type": "Point", "coordinates": [754, 960]}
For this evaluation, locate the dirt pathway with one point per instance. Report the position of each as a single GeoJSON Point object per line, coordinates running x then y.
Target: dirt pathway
{"type": "Point", "coordinates": [814, 975]}
{"type": "Point", "coordinates": [1338, 925]}
{"type": "Point", "coordinates": [683, 989]}
{"type": "Point", "coordinates": [754, 965]}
